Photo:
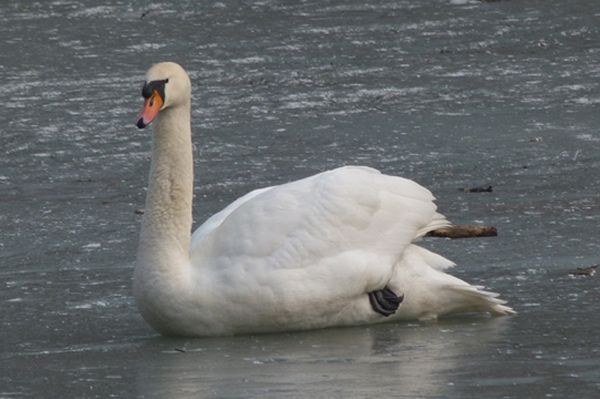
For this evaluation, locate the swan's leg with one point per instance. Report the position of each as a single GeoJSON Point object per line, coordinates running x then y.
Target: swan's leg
{"type": "Point", "coordinates": [385, 301]}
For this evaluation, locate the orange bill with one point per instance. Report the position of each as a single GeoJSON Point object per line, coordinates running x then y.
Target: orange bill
{"type": "Point", "coordinates": [151, 107]}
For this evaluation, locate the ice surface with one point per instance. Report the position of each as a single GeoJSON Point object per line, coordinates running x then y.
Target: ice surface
{"type": "Point", "coordinates": [452, 94]}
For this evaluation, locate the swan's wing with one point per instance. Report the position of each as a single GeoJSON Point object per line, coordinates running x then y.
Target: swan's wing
{"type": "Point", "coordinates": [349, 224]}
{"type": "Point", "coordinates": [215, 220]}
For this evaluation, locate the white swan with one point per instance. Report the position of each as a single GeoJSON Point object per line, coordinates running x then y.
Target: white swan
{"type": "Point", "coordinates": [332, 249]}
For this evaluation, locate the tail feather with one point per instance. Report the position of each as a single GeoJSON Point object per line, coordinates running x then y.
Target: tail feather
{"type": "Point", "coordinates": [431, 259]}
{"type": "Point", "coordinates": [430, 293]}
{"type": "Point", "coordinates": [437, 222]}
{"type": "Point", "coordinates": [479, 300]}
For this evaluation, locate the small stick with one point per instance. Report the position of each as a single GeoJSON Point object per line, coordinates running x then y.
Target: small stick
{"type": "Point", "coordinates": [464, 231]}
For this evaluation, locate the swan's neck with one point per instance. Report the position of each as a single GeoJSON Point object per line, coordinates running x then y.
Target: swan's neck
{"type": "Point", "coordinates": [165, 235]}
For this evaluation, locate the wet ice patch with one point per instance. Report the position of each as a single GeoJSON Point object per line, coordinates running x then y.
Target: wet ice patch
{"type": "Point", "coordinates": [91, 246]}
{"type": "Point", "coordinates": [146, 46]}
{"type": "Point", "coordinates": [48, 130]}
{"type": "Point", "coordinates": [389, 92]}
{"type": "Point", "coordinates": [88, 305]}
{"type": "Point", "coordinates": [586, 100]}
{"type": "Point", "coordinates": [302, 104]}
{"type": "Point", "coordinates": [306, 100]}
{"type": "Point", "coordinates": [447, 113]}
{"type": "Point", "coordinates": [111, 301]}
{"type": "Point", "coordinates": [73, 44]}
{"type": "Point", "coordinates": [463, 2]}
{"type": "Point", "coordinates": [94, 11]}
{"type": "Point", "coordinates": [463, 73]}
{"type": "Point", "coordinates": [249, 60]}
{"type": "Point", "coordinates": [361, 72]}
{"type": "Point", "coordinates": [574, 87]}
{"type": "Point", "coordinates": [588, 137]}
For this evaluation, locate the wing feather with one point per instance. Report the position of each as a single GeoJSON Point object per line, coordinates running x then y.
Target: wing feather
{"type": "Point", "coordinates": [349, 224]}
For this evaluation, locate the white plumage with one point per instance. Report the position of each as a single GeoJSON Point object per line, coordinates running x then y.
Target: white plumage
{"type": "Point", "coordinates": [295, 256]}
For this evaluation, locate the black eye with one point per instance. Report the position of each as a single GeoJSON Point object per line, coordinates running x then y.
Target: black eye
{"type": "Point", "coordinates": [152, 86]}
{"type": "Point", "coordinates": [146, 90]}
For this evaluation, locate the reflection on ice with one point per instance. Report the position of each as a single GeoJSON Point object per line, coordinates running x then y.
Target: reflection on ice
{"type": "Point", "coordinates": [393, 360]}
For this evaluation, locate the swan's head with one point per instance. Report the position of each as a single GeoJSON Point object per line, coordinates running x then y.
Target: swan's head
{"type": "Point", "coordinates": [167, 85]}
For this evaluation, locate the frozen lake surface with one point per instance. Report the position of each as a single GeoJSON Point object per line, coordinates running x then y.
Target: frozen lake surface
{"type": "Point", "coordinates": [449, 93]}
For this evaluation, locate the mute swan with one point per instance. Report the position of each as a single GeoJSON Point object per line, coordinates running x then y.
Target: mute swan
{"type": "Point", "coordinates": [333, 249]}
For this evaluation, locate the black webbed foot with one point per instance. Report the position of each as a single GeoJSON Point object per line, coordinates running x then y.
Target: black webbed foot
{"type": "Point", "coordinates": [385, 301]}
